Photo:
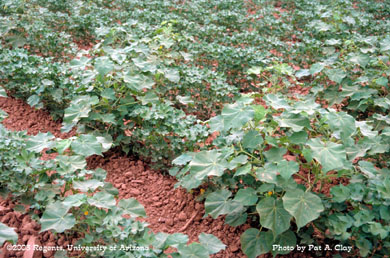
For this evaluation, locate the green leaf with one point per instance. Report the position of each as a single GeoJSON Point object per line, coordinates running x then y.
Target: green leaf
{"type": "Point", "coordinates": [302, 73]}
{"type": "Point", "coordinates": [89, 185]}
{"type": "Point", "coordinates": [252, 140]}
{"type": "Point", "coordinates": [102, 200]}
{"type": "Point", "coordinates": [236, 115]}
{"type": "Point", "coordinates": [243, 170]}
{"type": "Point", "coordinates": [71, 163]}
{"type": "Point", "coordinates": [340, 193]}
{"type": "Point", "coordinates": [75, 200]}
{"type": "Point", "coordinates": [287, 168]}
{"type": "Point", "coordinates": [341, 123]}
{"type": "Point", "coordinates": [236, 218]}
{"type": "Point", "coordinates": [211, 243]}
{"type": "Point", "coordinates": [377, 229]}
{"type": "Point", "coordinates": [275, 154]}
{"type": "Point", "coordinates": [294, 121]}
{"type": "Point", "coordinates": [78, 108]}
{"type": "Point", "coordinates": [194, 250]}
{"type": "Point", "coordinates": [330, 155]}
{"type": "Point", "coordinates": [40, 141]}
{"type": "Point", "coordinates": [267, 173]}
{"type": "Point", "coordinates": [218, 203]}
{"type": "Point", "coordinates": [273, 216]}
{"type": "Point", "coordinates": [133, 207]}
{"type": "Point", "coordinates": [172, 75]}
{"type": "Point", "coordinates": [276, 101]}
{"type": "Point", "coordinates": [57, 218]}
{"type": "Point", "coordinates": [360, 59]}
{"type": "Point", "coordinates": [298, 137]}
{"type": "Point", "coordinates": [385, 44]}
{"type": "Point", "coordinates": [246, 196]}
{"type": "Point", "coordinates": [185, 100]}
{"type": "Point", "coordinates": [7, 234]}
{"type": "Point", "coordinates": [255, 243]}
{"type": "Point", "coordinates": [138, 82]}
{"type": "Point", "coordinates": [304, 206]}
{"type": "Point", "coordinates": [103, 65]}
{"type": "Point", "coordinates": [87, 145]}
{"type": "Point", "coordinates": [316, 68]}
{"type": "Point", "coordinates": [3, 93]}
{"type": "Point", "coordinates": [260, 112]}
{"type": "Point", "coordinates": [207, 163]}
{"type": "Point", "coordinates": [336, 75]}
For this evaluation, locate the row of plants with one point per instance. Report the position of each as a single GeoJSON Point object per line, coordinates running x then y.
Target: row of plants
{"type": "Point", "coordinates": [256, 162]}
{"type": "Point", "coordinates": [67, 198]}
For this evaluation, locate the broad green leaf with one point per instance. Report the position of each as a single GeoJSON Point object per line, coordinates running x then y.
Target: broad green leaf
{"type": "Point", "coordinates": [182, 159]}
{"type": "Point", "coordinates": [194, 250]}
{"type": "Point", "coordinates": [360, 59]}
{"type": "Point", "coordinates": [172, 75]}
{"type": "Point", "coordinates": [207, 163]}
{"type": "Point", "coordinates": [302, 73]}
{"type": "Point", "coordinates": [377, 229]}
{"type": "Point", "coordinates": [75, 200]}
{"type": "Point", "coordinates": [138, 82]}
{"type": "Point", "coordinates": [267, 173]}
{"type": "Point", "coordinates": [87, 145]}
{"type": "Point", "coordinates": [7, 234]}
{"type": "Point", "coordinates": [294, 121]}
{"type": "Point", "coordinates": [105, 141]}
{"type": "Point", "coordinates": [307, 105]}
{"type": "Point", "coordinates": [385, 44]}
{"type": "Point", "coordinates": [71, 163]}
{"type": "Point", "coordinates": [102, 200]}
{"type": "Point", "coordinates": [57, 218]}
{"type": "Point", "coordinates": [40, 141]}
{"type": "Point", "coordinates": [78, 108]}
{"type": "Point", "coordinates": [260, 112]}
{"type": "Point", "coordinates": [316, 68]}
{"type": "Point", "coordinates": [236, 218]}
{"type": "Point", "coordinates": [185, 100]}
{"type": "Point", "coordinates": [236, 115]}
{"type": "Point", "coordinates": [3, 93]}
{"type": "Point", "coordinates": [330, 155]}
{"type": "Point", "coordinates": [34, 101]}
{"type": "Point", "coordinates": [145, 65]}
{"type": "Point", "coordinates": [276, 101]}
{"type": "Point", "coordinates": [275, 154]}
{"type": "Point", "coordinates": [298, 137]}
{"type": "Point", "coordinates": [365, 246]}
{"type": "Point", "coordinates": [211, 243]}
{"type": "Point", "coordinates": [287, 168]}
{"type": "Point", "coordinates": [218, 203]}
{"type": "Point", "coordinates": [62, 145]}
{"type": "Point", "coordinates": [341, 123]}
{"type": "Point", "coordinates": [103, 65]}
{"type": "Point", "coordinates": [340, 193]}
{"type": "Point", "coordinates": [255, 70]}
{"type": "Point", "coordinates": [252, 140]}
{"type": "Point", "coordinates": [303, 206]}
{"type": "Point", "coordinates": [243, 170]}
{"type": "Point", "coordinates": [273, 216]}
{"type": "Point", "coordinates": [88, 185]}
{"type": "Point", "coordinates": [246, 196]}
{"type": "Point", "coordinates": [255, 243]}
{"type": "Point", "coordinates": [133, 207]}
{"type": "Point", "coordinates": [336, 75]}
